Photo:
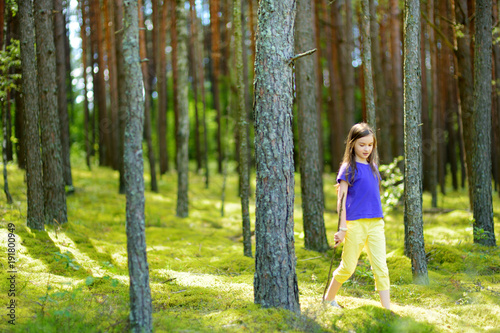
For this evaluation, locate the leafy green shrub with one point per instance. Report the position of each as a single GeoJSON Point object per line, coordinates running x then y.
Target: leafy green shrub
{"type": "Point", "coordinates": [392, 184]}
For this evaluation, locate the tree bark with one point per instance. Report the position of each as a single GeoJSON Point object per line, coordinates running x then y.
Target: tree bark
{"type": "Point", "coordinates": [275, 283]}
{"type": "Point", "coordinates": [122, 93]}
{"type": "Point", "coordinates": [348, 76]}
{"type": "Point", "coordinates": [414, 236]}
{"type": "Point", "coordinates": [367, 64]}
{"type": "Point", "coordinates": [62, 99]}
{"type": "Point", "coordinates": [215, 57]}
{"type": "Point", "coordinates": [397, 80]}
{"type": "Point", "coordinates": [161, 74]}
{"type": "Point", "coordinates": [311, 181]}
{"type": "Point", "coordinates": [434, 110]}
{"type": "Point", "coordinates": [147, 100]}
{"type": "Point", "coordinates": [113, 82]}
{"type": "Point", "coordinates": [53, 181]}
{"type": "Point", "coordinates": [183, 120]}
{"type": "Point", "coordinates": [140, 292]}
{"type": "Point", "coordinates": [466, 88]}
{"type": "Point", "coordinates": [243, 132]}
{"type": "Point", "coordinates": [35, 213]}
{"type": "Point", "coordinates": [193, 61]}
{"type": "Point", "coordinates": [380, 89]}
{"type": "Point", "coordinates": [484, 232]}
{"type": "Point", "coordinates": [84, 57]}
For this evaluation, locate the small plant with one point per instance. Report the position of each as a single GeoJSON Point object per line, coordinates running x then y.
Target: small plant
{"type": "Point", "coordinates": [65, 259]}
{"type": "Point", "coordinates": [392, 184]}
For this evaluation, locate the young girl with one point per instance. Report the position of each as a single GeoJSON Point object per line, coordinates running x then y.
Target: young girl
{"type": "Point", "coordinates": [361, 223]}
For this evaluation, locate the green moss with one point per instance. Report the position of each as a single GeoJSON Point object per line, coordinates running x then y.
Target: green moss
{"type": "Point", "coordinates": [201, 281]}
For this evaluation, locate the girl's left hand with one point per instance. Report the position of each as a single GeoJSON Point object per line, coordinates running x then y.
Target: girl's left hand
{"type": "Point", "coordinates": [339, 237]}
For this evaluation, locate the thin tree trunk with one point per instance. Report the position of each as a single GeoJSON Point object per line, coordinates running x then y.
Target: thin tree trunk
{"type": "Point", "coordinates": [426, 103]}
{"type": "Point", "coordinates": [3, 111]}
{"type": "Point", "coordinates": [275, 283]}
{"type": "Point", "coordinates": [215, 57]}
{"type": "Point", "coordinates": [183, 121]}
{"type": "Point", "coordinates": [414, 236]}
{"type": "Point", "coordinates": [161, 74]}
{"type": "Point", "coordinates": [348, 77]}
{"type": "Point", "coordinates": [484, 232]}
{"type": "Point", "coordinates": [53, 181]}
{"type": "Point", "coordinates": [243, 132]}
{"type": "Point", "coordinates": [317, 6]}
{"type": "Point", "coordinates": [397, 80]}
{"type": "Point", "coordinates": [141, 319]}
{"type": "Point", "coordinates": [84, 57]}
{"type": "Point", "coordinates": [193, 67]}
{"type": "Point", "coordinates": [62, 101]}
{"type": "Point", "coordinates": [367, 64]}
{"type": "Point", "coordinates": [113, 82]}
{"type": "Point", "coordinates": [338, 63]}
{"type": "Point", "coordinates": [147, 101]}
{"type": "Point", "coordinates": [466, 88]}
{"type": "Point", "coordinates": [435, 93]}
{"type": "Point", "coordinates": [20, 147]}
{"type": "Point", "coordinates": [380, 90]}
{"type": "Point", "coordinates": [311, 181]}
{"type": "Point", "coordinates": [122, 93]}
{"type": "Point", "coordinates": [35, 211]}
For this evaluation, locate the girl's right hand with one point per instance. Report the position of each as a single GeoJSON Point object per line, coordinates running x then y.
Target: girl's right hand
{"type": "Point", "coordinates": [339, 237]}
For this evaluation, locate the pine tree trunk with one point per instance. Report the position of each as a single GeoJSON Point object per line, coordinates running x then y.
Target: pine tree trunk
{"type": "Point", "coordinates": [183, 120]}
{"type": "Point", "coordinates": [59, 40]}
{"type": "Point", "coordinates": [20, 147]}
{"type": "Point", "coordinates": [140, 292]}
{"type": "Point", "coordinates": [435, 93]}
{"type": "Point", "coordinates": [367, 64]}
{"type": "Point", "coordinates": [113, 82]}
{"type": "Point", "coordinates": [311, 181]}
{"type": "Point", "coordinates": [99, 83]}
{"type": "Point", "coordinates": [275, 283]}
{"type": "Point", "coordinates": [35, 213]}
{"type": "Point", "coordinates": [380, 90]}
{"type": "Point", "coordinates": [466, 88]}
{"type": "Point", "coordinates": [317, 5]}
{"type": "Point", "coordinates": [243, 132]}
{"type": "Point", "coordinates": [84, 57]}
{"type": "Point", "coordinates": [496, 113]}
{"type": "Point", "coordinates": [484, 232]}
{"type": "Point", "coordinates": [53, 181]}
{"type": "Point", "coordinates": [348, 76]}
{"type": "Point", "coordinates": [161, 74]}
{"type": "Point", "coordinates": [337, 106]}
{"type": "Point", "coordinates": [397, 80]}
{"type": "Point", "coordinates": [147, 100]}
{"type": "Point", "coordinates": [5, 124]}
{"type": "Point", "coordinates": [122, 93]}
{"type": "Point", "coordinates": [193, 61]}
{"type": "Point", "coordinates": [414, 235]}
{"type": "Point", "coordinates": [215, 57]}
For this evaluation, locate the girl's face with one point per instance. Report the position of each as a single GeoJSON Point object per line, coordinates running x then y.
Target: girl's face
{"type": "Point", "coordinates": [363, 147]}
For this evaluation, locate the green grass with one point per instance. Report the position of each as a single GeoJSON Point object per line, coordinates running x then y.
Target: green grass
{"type": "Point", "coordinates": [74, 278]}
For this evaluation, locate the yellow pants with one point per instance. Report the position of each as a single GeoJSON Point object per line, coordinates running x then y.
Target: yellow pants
{"type": "Point", "coordinates": [361, 233]}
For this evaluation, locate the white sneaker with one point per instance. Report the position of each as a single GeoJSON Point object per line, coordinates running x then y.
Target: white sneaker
{"type": "Point", "coordinates": [333, 303]}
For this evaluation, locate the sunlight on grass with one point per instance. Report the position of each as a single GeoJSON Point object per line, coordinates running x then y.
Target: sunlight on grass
{"type": "Point", "coordinates": [201, 282]}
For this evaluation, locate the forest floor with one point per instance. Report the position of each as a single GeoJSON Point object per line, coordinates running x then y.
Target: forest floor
{"type": "Point", "coordinates": [74, 277]}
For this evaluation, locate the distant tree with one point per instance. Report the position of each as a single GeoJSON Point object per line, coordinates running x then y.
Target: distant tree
{"type": "Point", "coordinates": [366, 55]}
{"type": "Point", "coordinates": [243, 132]}
{"type": "Point", "coordinates": [346, 51]}
{"type": "Point", "coordinates": [53, 181]}
{"type": "Point", "coordinates": [62, 97]}
{"type": "Point", "coordinates": [397, 79]}
{"type": "Point", "coordinates": [84, 58]}
{"type": "Point", "coordinates": [311, 181]}
{"type": "Point", "coordinates": [183, 115]}
{"type": "Point", "coordinates": [141, 319]}
{"type": "Point", "coordinates": [121, 86]}
{"type": "Point", "coordinates": [147, 99]}
{"type": "Point", "coordinates": [275, 283]}
{"type": "Point", "coordinates": [414, 236]}
{"type": "Point", "coordinates": [161, 77]}
{"type": "Point", "coordinates": [215, 64]}
{"type": "Point", "coordinates": [35, 213]}
{"type": "Point", "coordinates": [193, 64]}
{"type": "Point", "coordinates": [481, 153]}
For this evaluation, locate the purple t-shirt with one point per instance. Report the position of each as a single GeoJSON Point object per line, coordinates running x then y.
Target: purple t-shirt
{"type": "Point", "coordinates": [363, 196]}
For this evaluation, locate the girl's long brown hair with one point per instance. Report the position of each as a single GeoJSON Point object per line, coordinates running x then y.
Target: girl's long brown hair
{"type": "Point", "coordinates": [358, 131]}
